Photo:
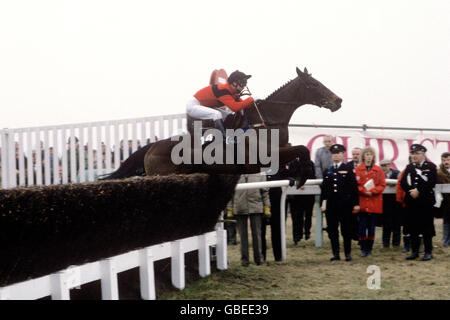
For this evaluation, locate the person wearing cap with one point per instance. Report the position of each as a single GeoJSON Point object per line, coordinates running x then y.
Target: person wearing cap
{"type": "Point", "coordinates": [418, 182]}
{"type": "Point", "coordinates": [339, 195]}
{"type": "Point", "coordinates": [391, 217]}
{"type": "Point", "coordinates": [371, 184]}
{"type": "Point", "coordinates": [444, 177]}
{"type": "Point", "coordinates": [209, 103]}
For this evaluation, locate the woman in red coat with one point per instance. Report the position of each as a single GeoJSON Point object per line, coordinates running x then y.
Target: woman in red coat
{"type": "Point", "coordinates": [371, 183]}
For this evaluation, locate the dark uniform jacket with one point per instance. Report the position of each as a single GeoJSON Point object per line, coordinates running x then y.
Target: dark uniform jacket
{"type": "Point", "coordinates": [339, 187]}
{"type": "Point", "coordinates": [423, 178]}
{"type": "Point", "coordinates": [419, 213]}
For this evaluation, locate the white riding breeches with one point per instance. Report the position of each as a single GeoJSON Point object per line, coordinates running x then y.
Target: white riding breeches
{"type": "Point", "coordinates": [196, 110]}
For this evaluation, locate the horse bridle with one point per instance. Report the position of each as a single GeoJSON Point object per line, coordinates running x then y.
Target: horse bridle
{"type": "Point", "coordinates": [246, 91]}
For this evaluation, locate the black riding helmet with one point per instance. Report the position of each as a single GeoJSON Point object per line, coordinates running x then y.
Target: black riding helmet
{"type": "Point", "coordinates": [239, 77]}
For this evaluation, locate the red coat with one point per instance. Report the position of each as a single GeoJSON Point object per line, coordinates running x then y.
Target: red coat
{"type": "Point", "coordinates": [373, 203]}
{"type": "Point", "coordinates": [399, 192]}
{"type": "Point", "coordinates": [217, 95]}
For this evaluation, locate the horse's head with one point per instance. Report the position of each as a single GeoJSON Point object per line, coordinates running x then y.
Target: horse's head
{"type": "Point", "coordinates": [316, 93]}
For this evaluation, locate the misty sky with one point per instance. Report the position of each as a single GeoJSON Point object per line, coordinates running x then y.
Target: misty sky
{"type": "Point", "coordinates": [81, 61]}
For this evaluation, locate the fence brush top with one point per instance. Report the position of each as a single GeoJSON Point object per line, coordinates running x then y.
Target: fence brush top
{"type": "Point", "coordinates": [45, 229]}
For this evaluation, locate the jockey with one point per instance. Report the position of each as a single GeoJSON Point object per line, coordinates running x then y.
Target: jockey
{"type": "Point", "coordinates": [211, 102]}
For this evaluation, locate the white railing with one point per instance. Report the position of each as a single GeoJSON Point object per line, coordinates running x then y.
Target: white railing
{"type": "Point", "coordinates": [58, 285]}
{"type": "Point", "coordinates": [24, 151]}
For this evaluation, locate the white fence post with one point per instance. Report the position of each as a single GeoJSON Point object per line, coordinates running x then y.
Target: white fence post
{"type": "Point", "coordinates": [5, 157]}
{"type": "Point", "coordinates": [110, 289]}
{"type": "Point", "coordinates": [204, 262]}
{"type": "Point", "coordinates": [283, 222]}
{"type": "Point", "coordinates": [4, 294]}
{"type": "Point", "coordinates": [177, 264]}
{"type": "Point", "coordinates": [318, 241]}
{"type": "Point", "coordinates": [60, 288]}
{"type": "Point", "coordinates": [147, 275]}
{"type": "Point", "coordinates": [221, 249]}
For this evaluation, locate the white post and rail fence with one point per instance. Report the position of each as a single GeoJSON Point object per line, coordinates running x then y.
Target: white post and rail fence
{"type": "Point", "coordinates": [102, 147]}
{"type": "Point", "coordinates": [22, 165]}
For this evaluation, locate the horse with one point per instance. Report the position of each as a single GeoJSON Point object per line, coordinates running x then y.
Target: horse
{"type": "Point", "coordinates": [274, 112]}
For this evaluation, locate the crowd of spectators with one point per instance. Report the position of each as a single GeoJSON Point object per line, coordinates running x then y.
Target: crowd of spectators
{"type": "Point", "coordinates": [79, 169]}
{"type": "Point", "coordinates": [411, 211]}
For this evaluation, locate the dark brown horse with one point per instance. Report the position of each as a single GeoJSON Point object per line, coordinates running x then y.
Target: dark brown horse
{"type": "Point", "coordinates": [274, 112]}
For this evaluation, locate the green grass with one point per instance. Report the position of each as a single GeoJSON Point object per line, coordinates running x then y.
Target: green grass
{"type": "Point", "coordinates": [307, 274]}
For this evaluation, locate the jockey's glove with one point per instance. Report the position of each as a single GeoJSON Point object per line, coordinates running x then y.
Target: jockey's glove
{"type": "Point", "coordinates": [267, 212]}
{"type": "Point", "coordinates": [229, 213]}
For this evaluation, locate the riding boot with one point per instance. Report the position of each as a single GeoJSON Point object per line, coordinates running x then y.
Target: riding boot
{"type": "Point", "coordinates": [218, 124]}
{"type": "Point", "coordinates": [363, 248]}
{"type": "Point", "coordinates": [406, 243]}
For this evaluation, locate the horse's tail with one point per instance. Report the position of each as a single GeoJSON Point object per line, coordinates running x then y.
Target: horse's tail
{"type": "Point", "coordinates": [133, 166]}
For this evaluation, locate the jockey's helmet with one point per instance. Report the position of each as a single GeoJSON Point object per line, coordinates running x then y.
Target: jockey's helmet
{"type": "Point", "coordinates": [239, 77]}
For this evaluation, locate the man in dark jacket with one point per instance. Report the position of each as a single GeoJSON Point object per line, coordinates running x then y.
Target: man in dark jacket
{"type": "Point", "coordinates": [339, 199]}
{"type": "Point", "coordinates": [275, 203]}
{"type": "Point", "coordinates": [418, 182]}
{"type": "Point", "coordinates": [301, 205]}
{"type": "Point", "coordinates": [391, 209]}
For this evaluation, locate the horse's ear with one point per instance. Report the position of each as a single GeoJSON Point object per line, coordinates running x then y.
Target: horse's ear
{"type": "Point", "coordinates": [306, 72]}
{"type": "Point", "coordinates": [298, 71]}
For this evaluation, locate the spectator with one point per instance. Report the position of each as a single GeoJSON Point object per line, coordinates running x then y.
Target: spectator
{"type": "Point", "coordinates": [77, 158]}
{"type": "Point", "coordinates": [253, 204]}
{"type": "Point", "coordinates": [443, 176]}
{"type": "Point", "coordinates": [301, 205]}
{"type": "Point", "coordinates": [418, 182]}
{"type": "Point", "coordinates": [230, 224]}
{"type": "Point", "coordinates": [323, 159]}
{"type": "Point", "coordinates": [275, 203]}
{"type": "Point", "coordinates": [356, 154]}
{"type": "Point", "coordinates": [371, 183]}
{"type": "Point", "coordinates": [339, 199]}
{"type": "Point", "coordinates": [391, 209]}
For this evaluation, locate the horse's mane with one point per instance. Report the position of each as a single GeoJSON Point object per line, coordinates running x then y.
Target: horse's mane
{"type": "Point", "coordinates": [279, 89]}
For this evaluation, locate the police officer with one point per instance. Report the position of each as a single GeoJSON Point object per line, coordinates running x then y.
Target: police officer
{"type": "Point", "coordinates": [339, 199]}
{"type": "Point", "coordinates": [418, 182]}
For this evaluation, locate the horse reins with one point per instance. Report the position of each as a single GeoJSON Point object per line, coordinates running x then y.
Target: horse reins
{"type": "Point", "coordinates": [246, 91]}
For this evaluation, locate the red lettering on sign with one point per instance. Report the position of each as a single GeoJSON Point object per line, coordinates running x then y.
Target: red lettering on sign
{"type": "Point", "coordinates": [345, 144]}
{"type": "Point", "coordinates": [381, 150]}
